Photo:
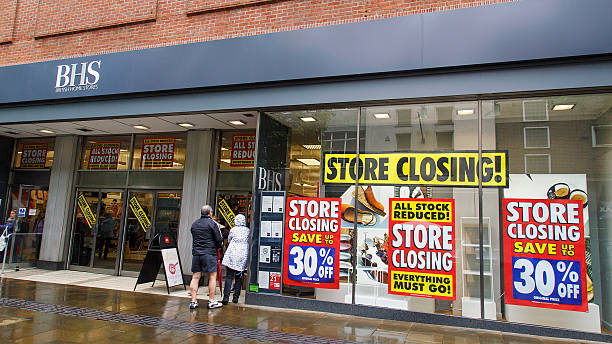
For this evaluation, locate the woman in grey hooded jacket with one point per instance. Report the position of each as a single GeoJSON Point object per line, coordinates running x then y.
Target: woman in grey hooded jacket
{"type": "Point", "coordinates": [235, 258]}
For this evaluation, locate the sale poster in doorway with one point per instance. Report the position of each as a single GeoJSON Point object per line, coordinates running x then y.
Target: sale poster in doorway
{"type": "Point", "coordinates": [312, 242]}
{"type": "Point", "coordinates": [157, 152]}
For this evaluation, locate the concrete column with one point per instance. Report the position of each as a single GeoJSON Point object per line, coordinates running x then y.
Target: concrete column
{"type": "Point", "coordinates": [195, 188]}
{"type": "Point", "coordinates": [59, 204]}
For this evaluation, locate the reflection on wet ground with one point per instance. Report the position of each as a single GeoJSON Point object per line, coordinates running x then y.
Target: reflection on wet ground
{"type": "Point", "coordinates": [38, 312]}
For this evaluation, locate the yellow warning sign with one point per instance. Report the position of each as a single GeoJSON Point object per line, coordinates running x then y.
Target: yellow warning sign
{"type": "Point", "coordinates": [453, 168]}
{"type": "Point", "coordinates": [89, 216]}
{"type": "Point", "coordinates": [227, 212]}
{"type": "Point", "coordinates": [139, 213]}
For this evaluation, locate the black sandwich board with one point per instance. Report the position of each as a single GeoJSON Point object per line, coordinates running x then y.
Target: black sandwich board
{"type": "Point", "coordinates": [154, 260]}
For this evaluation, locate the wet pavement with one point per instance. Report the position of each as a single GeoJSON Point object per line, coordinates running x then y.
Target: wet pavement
{"type": "Point", "coordinates": [41, 312]}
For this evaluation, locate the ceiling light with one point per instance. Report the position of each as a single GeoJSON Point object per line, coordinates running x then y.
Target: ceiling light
{"type": "Point", "coordinates": [223, 148]}
{"type": "Point", "coordinates": [465, 112]}
{"type": "Point", "coordinates": [381, 115]}
{"type": "Point", "coordinates": [123, 150]}
{"type": "Point", "coordinates": [308, 119]}
{"type": "Point", "coordinates": [185, 125]}
{"type": "Point", "coordinates": [46, 131]}
{"type": "Point", "coordinates": [562, 107]}
{"type": "Point", "coordinates": [303, 184]}
{"type": "Point", "coordinates": [141, 127]}
{"type": "Point", "coordinates": [309, 162]}
{"type": "Point", "coordinates": [227, 161]}
{"type": "Point", "coordinates": [312, 147]}
{"type": "Point", "coordinates": [237, 122]}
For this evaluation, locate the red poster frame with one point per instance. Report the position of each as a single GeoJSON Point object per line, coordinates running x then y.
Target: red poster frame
{"type": "Point", "coordinates": [336, 245]}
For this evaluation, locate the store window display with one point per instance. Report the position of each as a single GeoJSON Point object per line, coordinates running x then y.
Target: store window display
{"type": "Point", "coordinates": [410, 187]}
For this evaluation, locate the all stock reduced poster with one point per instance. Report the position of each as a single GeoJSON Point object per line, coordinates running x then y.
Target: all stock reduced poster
{"type": "Point", "coordinates": [104, 156]}
{"type": "Point", "coordinates": [544, 253]}
{"type": "Point", "coordinates": [421, 248]}
{"type": "Point", "coordinates": [312, 242]}
{"type": "Point", "coordinates": [243, 150]}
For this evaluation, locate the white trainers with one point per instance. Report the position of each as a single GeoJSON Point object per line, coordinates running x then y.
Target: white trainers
{"type": "Point", "coordinates": [214, 304]}
{"type": "Point", "coordinates": [193, 305]}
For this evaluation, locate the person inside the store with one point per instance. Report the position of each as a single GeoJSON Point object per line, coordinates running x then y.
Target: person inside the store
{"type": "Point", "coordinates": [235, 258]}
{"type": "Point", "coordinates": [107, 233]}
{"type": "Point", "coordinates": [207, 241]}
{"type": "Point", "coordinates": [8, 228]}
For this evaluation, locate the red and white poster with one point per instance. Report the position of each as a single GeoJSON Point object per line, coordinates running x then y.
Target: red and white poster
{"type": "Point", "coordinates": [243, 150]}
{"type": "Point", "coordinates": [172, 267]}
{"type": "Point", "coordinates": [421, 248]}
{"type": "Point", "coordinates": [275, 280]}
{"type": "Point", "coordinates": [544, 253]}
{"type": "Point", "coordinates": [312, 242]}
{"type": "Point", "coordinates": [157, 152]}
{"type": "Point", "coordinates": [104, 156]}
{"type": "Point", "coordinates": [34, 155]}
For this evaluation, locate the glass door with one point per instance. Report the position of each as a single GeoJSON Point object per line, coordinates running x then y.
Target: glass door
{"type": "Point", "coordinates": [96, 230]}
{"type": "Point", "coordinates": [108, 227]}
{"type": "Point", "coordinates": [32, 200]}
{"type": "Point", "coordinates": [238, 201]}
{"type": "Point", "coordinates": [84, 228]}
{"type": "Point", "coordinates": [138, 229]}
{"type": "Point", "coordinates": [148, 213]}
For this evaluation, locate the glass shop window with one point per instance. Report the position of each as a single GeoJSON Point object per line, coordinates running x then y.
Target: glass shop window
{"type": "Point", "coordinates": [159, 151]}
{"type": "Point", "coordinates": [237, 150]}
{"type": "Point", "coordinates": [105, 153]}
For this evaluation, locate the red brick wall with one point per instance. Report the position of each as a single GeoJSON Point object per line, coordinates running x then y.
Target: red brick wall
{"type": "Point", "coordinates": [57, 17]}
{"type": "Point", "coordinates": [53, 29]}
{"type": "Point", "coordinates": [7, 19]}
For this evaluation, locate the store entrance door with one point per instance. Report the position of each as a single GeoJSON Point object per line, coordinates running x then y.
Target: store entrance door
{"type": "Point", "coordinates": [239, 202]}
{"type": "Point", "coordinates": [32, 200]}
{"type": "Point", "coordinates": [148, 213]}
{"type": "Point", "coordinates": [96, 230]}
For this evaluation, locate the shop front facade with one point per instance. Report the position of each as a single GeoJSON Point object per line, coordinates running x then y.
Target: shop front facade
{"type": "Point", "coordinates": [430, 177]}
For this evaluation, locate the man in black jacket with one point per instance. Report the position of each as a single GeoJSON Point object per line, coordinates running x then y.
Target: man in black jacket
{"type": "Point", "coordinates": [207, 241]}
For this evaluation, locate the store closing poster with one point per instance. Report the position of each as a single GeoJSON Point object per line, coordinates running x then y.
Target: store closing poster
{"type": "Point", "coordinates": [157, 152]}
{"type": "Point", "coordinates": [34, 155]}
{"type": "Point", "coordinates": [544, 253]}
{"type": "Point", "coordinates": [422, 248]}
{"type": "Point", "coordinates": [312, 242]}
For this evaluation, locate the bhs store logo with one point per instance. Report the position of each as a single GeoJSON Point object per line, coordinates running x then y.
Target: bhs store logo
{"type": "Point", "coordinates": [78, 76]}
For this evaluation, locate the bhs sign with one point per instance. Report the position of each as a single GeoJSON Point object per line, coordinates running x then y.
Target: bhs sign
{"type": "Point", "coordinates": [78, 76]}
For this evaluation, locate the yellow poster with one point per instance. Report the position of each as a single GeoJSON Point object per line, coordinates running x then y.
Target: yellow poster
{"type": "Point", "coordinates": [139, 213]}
{"type": "Point", "coordinates": [454, 168]}
{"type": "Point", "coordinates": [89, 216]}
{"type": "Point", "coordinates": [227, 212]}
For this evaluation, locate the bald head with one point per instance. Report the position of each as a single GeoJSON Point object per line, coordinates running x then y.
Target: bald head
{"type": "Point", "coordinates": [206, 210]}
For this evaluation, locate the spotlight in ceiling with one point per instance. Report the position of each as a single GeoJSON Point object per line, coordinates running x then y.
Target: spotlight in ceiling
{"type": "Point", "coordinates": [237, 122]}
{"type": "Point", "coordinates": [309, 162]}
{"type": "Point", "coordinates": [312, 147]}
{"type": "Point", "coordinates": [141, 127]}
{"type": "Point", "coordinates": [308, 119]}
{"type": "Point", "coordinates": [381, 115]}
{"type": "Point", "coordinates": [227, 161]}
{"type": "Point", "coordinates": [46, 131]}
{"type": "Point", "coordinates": [465, 112]}
{"type": "Point", "coordinates": [563, 107]}
{"type": "Point", "coordinates": [185, 125]}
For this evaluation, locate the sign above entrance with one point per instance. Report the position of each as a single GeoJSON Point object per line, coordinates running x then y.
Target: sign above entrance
{"type": "Point", "coordinates": [157, 152]}
{"type": "Point", "coordinates": [243, 150]}
{"type": "Point", "coordinates": [34, 155]}
{"type": "Point", "coordinates": [104, 156]}
{"type": "Point", "coordinates": [453, 168]}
